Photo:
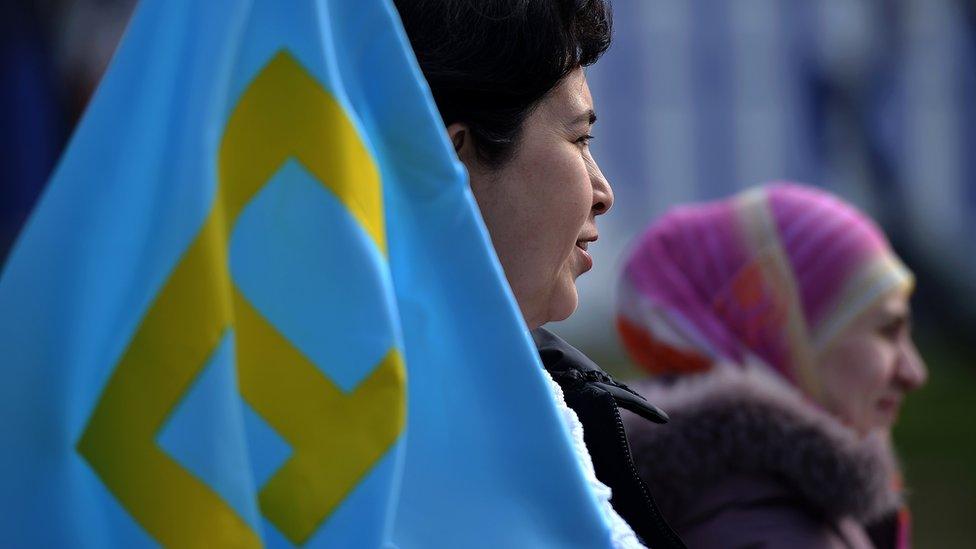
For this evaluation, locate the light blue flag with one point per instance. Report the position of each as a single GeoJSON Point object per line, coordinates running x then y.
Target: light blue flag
{"type": "Point", "coordinates": [257, 306]}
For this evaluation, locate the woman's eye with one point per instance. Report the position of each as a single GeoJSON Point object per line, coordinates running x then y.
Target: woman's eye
{"type": "Point", "coordinates": [585, 139]}
{"type": "Point", "coordinates": [892, 330]}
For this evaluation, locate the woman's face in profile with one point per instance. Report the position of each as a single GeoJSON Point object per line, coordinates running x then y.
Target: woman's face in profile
{"type": "Point", "coordinates": [871, 365]}
{"type": "Point", "coordinates": [540, 207]}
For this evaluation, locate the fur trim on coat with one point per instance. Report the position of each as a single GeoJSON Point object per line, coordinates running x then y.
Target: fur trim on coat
{"type": "Point", "coordinates": [734, 422]}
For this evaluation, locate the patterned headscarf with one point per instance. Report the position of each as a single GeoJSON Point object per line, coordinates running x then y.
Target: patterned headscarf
{"type": "Point", "coordinates": [773, 273]}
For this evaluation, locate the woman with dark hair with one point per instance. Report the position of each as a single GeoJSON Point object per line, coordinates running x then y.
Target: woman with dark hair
{"type": "Point", "coordinates": [777, 322]}
{"type": "Point", "coordinates": [507, 77]}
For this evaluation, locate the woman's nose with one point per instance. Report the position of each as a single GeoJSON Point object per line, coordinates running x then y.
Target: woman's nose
{"type": "Point", "coordinates": [602, 192]}
{"type": "Point", "coordinates": [912, 372]}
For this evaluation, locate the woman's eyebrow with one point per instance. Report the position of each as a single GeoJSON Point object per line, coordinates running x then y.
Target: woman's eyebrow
{"type": "Point", "coordinates": [895, 316]}
{"type": "Point", "coordinates": [589, 116]}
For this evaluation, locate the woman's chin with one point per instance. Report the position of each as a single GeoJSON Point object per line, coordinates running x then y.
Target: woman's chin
{"type": "Point", "coordinates": [563, 303]}
{"type": "Point", "coordinates": [560, 305]}
{"type": "Point", "coordinates": [880, 425]}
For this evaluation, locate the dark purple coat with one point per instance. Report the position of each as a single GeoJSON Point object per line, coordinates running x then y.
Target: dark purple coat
{"type": "Point", "coordinates": [747, 462]}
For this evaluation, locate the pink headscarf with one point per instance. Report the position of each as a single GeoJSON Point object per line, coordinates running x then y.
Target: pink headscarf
{"type": "Point", "coordinates": [773, 273]}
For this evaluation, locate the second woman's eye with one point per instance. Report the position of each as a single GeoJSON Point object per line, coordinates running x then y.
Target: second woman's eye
{"type": "Point", "coordinates": [893, 328]}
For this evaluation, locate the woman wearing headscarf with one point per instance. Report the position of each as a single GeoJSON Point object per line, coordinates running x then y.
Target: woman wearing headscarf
{"type": "Point", "coordinates": [776, 325]}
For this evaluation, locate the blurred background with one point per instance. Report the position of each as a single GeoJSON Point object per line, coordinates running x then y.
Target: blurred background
{"type": "Point", "coordinates": [874, 100]}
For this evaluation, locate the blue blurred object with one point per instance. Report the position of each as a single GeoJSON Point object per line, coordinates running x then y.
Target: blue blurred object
{"type": "Point", "coordinates": [205, 322]}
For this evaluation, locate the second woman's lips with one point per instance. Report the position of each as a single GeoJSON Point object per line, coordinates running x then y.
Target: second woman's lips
{"type": "Point", "coordinates": [889, 404]}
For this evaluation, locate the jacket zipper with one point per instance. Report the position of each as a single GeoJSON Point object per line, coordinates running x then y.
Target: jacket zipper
{"type": "Point", "coordinates": [659, 521]}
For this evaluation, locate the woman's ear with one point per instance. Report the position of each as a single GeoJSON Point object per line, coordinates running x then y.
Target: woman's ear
{"type": "Point", "coordinates": [461, 139]}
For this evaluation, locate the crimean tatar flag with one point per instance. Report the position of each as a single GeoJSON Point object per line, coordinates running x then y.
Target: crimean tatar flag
{"type": "Point", "coordinates": [257, 306]}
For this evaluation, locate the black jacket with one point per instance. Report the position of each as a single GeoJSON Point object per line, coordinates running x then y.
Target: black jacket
{"type": "Point", "coordinates": [595, 397]}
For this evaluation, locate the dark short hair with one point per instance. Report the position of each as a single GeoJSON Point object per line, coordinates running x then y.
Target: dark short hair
{"type": "Point", "coordinates": [490, 62]}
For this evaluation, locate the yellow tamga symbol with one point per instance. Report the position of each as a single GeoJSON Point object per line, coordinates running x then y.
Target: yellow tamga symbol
{"type": "Point", "coordinates": [336, 437]}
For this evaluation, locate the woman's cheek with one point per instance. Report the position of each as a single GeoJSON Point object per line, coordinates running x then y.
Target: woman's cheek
{"type": "Point", "coordinates": [851, 380]}
{"type": "Point", "coordinates": [872, 365]}
{"type": "Point", "coordinates": [877, 366]}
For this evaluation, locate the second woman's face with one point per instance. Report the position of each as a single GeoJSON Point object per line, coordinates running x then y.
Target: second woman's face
{"type": "Point", "coordinates": [540, 207]}
{"type": "Point", "coordinates": [872, 365]}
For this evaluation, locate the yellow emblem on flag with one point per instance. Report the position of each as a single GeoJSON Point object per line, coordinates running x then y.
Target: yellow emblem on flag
{"type": "Point", "coordinates": [336, 437]}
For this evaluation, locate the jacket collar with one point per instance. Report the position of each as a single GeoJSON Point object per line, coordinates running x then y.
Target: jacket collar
{"type": "Point", "coordinates": [567, 364]}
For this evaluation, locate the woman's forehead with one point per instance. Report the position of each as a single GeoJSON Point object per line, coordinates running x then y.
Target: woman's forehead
{"type": "Point", "coordinates": [892, 305]}
{"type": "Point", "coordinates": [571, 99]}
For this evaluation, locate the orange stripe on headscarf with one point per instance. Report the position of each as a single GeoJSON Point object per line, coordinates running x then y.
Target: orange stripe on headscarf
{"type": "Point", "coordinates": [657, 357]}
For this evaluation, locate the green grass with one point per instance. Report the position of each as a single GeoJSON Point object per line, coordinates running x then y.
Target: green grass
{"type": "Point", "coordinates": [936, 439]}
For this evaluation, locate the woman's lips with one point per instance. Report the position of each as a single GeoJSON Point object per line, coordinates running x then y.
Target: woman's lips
{"type": "Point", "coordinates": [889, 405]}
{"type": "Point", "coordinates": [586, 259]}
